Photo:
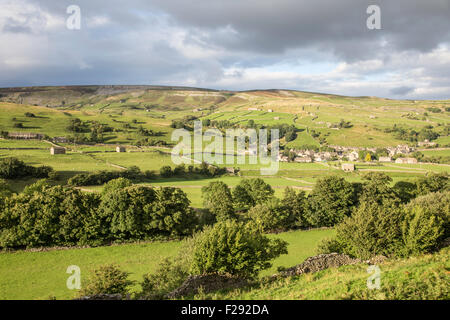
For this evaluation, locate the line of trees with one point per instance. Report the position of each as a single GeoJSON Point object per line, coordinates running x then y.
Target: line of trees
{"type": "Point", "coordinates": [13, 168]}
{"type": "Point", "coordinates": [43, 215]}
{"type": "Point", "coordinates": [332, 200]}
{"type": "Point", "coordinates": [134, 173]}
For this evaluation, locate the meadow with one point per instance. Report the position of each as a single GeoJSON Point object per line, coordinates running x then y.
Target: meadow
{"type": "Point", "coordinates": [415, 278]}
{"type": "Point", "coordinates": [42, 275]}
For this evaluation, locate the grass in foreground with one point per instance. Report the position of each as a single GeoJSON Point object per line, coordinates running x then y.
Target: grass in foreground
{"type": "Point", "coordinates": [41, 275]}
{"type": "Point", "coordinates": [415, 278]}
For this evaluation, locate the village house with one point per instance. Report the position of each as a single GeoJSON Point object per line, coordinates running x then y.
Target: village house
{"type": "Point", "coordinates": [348, 167]}
{"type": "Point", "coordinates": [230, 170]}
{"type": "Point", "coordinates": [385, 159]}
{"type": "Point", "coordinates": [303, 159]}
{"type": "Point", "coordinates": [406, 160]}
{"type": "Point", "coordinates": [353, 156]}
{"type": "Point", "coordinates": [57, 150]}
{"type": "Point", "coordinates": [120, 149]}
{"type": "Point", "coordinates": [270, 110]}
{"type": "Point", "coordinates": [318, 158]}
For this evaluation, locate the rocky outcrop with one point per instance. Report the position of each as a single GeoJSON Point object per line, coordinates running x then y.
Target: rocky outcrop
{"type": "Point", "coordinates": [102, 296]}
{"type": "Point", "coordinates": [320, 262]}
{"type": "Point", "coordinates": [208, 283]}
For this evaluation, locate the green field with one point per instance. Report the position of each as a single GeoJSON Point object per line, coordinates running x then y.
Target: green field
{"type": "Point", "coordinates": [40, 275]}
{"type": "Point", "coordinates": [399, 279]}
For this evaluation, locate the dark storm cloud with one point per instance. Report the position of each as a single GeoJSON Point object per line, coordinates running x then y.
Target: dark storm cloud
{"type": "Point", "coordinates": [274, 26]}
{"type": "Point", "coordinates": [401, 90]}
{"type": "Point", "coordinates": [15, 26]}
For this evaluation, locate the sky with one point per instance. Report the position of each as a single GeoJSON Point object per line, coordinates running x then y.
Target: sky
{"type": "Point", "coordinates": [319, 46]}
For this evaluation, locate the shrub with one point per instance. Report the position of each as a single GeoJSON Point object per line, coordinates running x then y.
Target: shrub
{"type": "Point", "coordinates": [437, 204]}
{"type": "Point", "coordinates": [405, 190]}
{"type": "Point", "coordinates": [250, 192]}
{"type": "Point", "coordinates": [330, 201]}
{"type": "Point", "coordinates": [421, 231]}
{"type": "Point", "coordinates": [38, 186]}
{"type": "Point", "coordinates": [166, 171]}
{"type": "Point", "coordinates": [128, 211]}
{"type": "Point", "coordinates": [48, 216]}
{"type": "Point", "coordinates": [218, 199]}
{"type": "Point", "coordinates": [140, 212]}
{"type": "Point", "coordinates": [234, 248]}
{"type": "Point", "coordinates": [5, 190]}
{"type": "Point", "coordinates": [172, 214]}
{"type": "Point", "coordinates": [271, 216]}
{"type": "Point", "coordinates": [179, 170]}
{"type": "Point", "coordinates": [169, 275]}
{"type": "Point", "coordinates": [116, 184]}
{"type": "Point", "coordinates": [295, 204]}
{"type": "Point", "coordinates": [13, 168]}
{"type": "Point", "coordinates": [371, 230]}
{"type": "Point", "coordinates": [101, 177]}
{"type": "Point", "coordinates": [108, 279]}
{"type": "Point", "coordinates": [376, 189]}
{"type": "Point", "coordinates": [433, 182]}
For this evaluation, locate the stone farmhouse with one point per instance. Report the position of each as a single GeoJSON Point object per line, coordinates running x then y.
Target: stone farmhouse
{"type": "Point", "coordinates": [406, 160]}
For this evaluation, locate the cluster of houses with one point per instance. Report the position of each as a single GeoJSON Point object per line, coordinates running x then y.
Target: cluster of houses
{"type": "Point", "coordinates": [348, 153]}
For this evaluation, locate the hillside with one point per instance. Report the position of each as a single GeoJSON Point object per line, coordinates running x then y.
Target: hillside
{"type": "Point", "coordinates": [415, 278]}
{"type": "Point", "coordinates": [156, 106]}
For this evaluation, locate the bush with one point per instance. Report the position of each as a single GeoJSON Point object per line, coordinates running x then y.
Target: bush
{"type": "Point", "coordinates": [376, 189]}
{"type": "Point", "coordinates": [169, 275]}
{"type": "Point", "coordinates": [48, 216]}
{"type": "Point", "coordinates": [140, 212]}
{"type": "Point", "coordinates": [39, 186]}
{"type": "Point", "coordinates": [271, 216]}
{"type": "Point", "coordinates": [393, 230]}
{"type": "Point", "coordinates": [116, 184]}
{"type": "Point", "coordinates": [218, 199]}
{"type": "Point", "coordinates": [5, 190]}
{"type": "Point", "coordinates": [421, 231]}
{"type": "Point", "coordinates": [102, 177]}
{"type": "Point", "coordinates": [13, 168]}
{"type": "Point", "coordinates": [234, 248]}
{"type": "Point", "coordinates": [166, 171]}
{"type": "Point", "coordinates": [250, 192]}
{"type": "Point", "coordinates": [295, 204]}
{"type": "Point", "coordinates": [433, 182]}
{"type": "Point", "coordinates": [437, 204]}
{"type": "Point", "coordinates": [371, 230]}
{"type": "Point", "coordinates": [330, 201]}
{"type": "Point", "coordinates": [172, 214]}
{"type": "Point", "coordinates": [108, 279]}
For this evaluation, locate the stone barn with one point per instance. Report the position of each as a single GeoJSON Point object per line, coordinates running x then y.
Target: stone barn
{"type": "Point", "coordinates": [57, 150]}
{"type": "Point", "coordinates": [120, 149]}
{"type": "Point", "coordinates": [348, 167]}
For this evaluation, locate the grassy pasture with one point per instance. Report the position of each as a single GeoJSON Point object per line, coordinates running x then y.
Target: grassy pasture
{"type": "Point", "coordinates": [405, 278]}
{"type": "Point", "coordinates": [40, 275]}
